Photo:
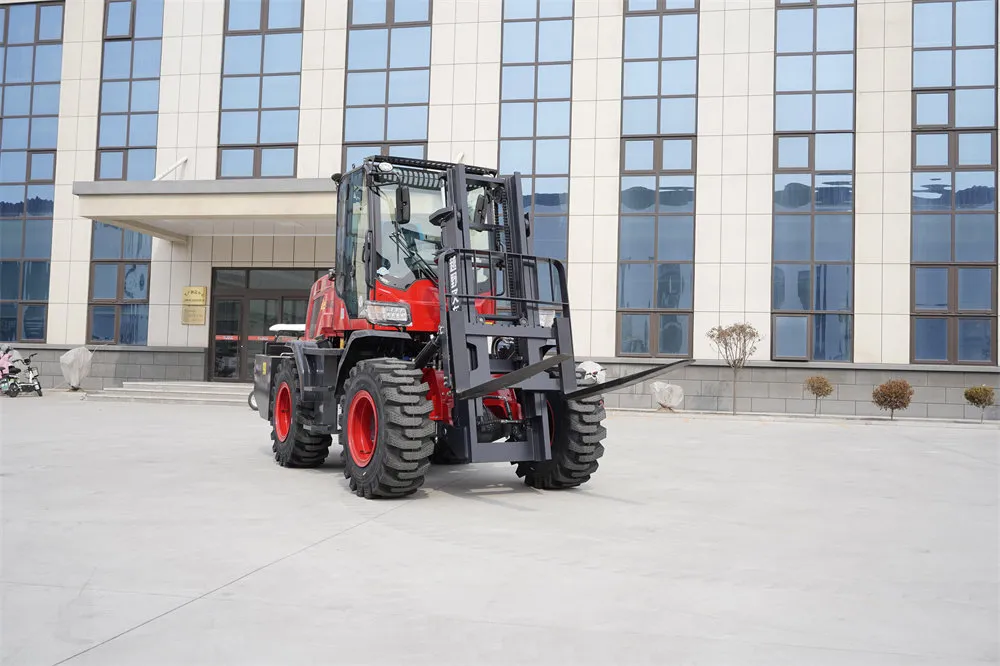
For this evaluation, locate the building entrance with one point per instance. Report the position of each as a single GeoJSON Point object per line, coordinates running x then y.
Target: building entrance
{"type": "Point", "coordinates": [245, 304]}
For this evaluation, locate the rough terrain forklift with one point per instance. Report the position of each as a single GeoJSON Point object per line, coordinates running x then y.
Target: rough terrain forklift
{"type": "Point", "coordinates": [437, 336]}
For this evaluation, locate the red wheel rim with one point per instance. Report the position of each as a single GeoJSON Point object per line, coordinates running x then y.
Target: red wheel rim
{"type": "Point", "coordinates": [362, 428]}
{"type": "Point", "coordinates": [283, 412]}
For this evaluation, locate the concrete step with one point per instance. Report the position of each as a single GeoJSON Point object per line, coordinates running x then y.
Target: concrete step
{"type": "Point", "coordinates": [188, 387]}
{"type": "Point", "coordinates": [169, 399]}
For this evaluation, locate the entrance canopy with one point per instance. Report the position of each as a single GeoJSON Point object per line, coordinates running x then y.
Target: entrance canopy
{"type": "Point", "coordinates": [176, 210]}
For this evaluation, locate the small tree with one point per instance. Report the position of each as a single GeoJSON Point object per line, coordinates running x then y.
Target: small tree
{"type": "Point", "coordinates": [820, 387]}
{"type": "Point", "coordinates": [981, 397]}
{"type": "Point", "coordinates": [892, 395]}
{"type": "Point", "coordinates": [735, 343]}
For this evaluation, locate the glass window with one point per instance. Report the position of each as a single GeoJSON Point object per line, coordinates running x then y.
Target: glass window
{"type": "Point", "coordinates": [932, 109]}
{"type": "Point", "coordinates": [111, 165]}
{"type": "Point", "coordinates": [975, 108]}
{"type": "Point", "coordinates": [675, 238]}
{"type": "Point", "coordinates": [793, 73]}
{"type": "Point", "coordinates": [555, 8]}
{"type": "Point", "coordinates": [676, 194]}
{"type": "Point", "coordinates": [285, 14]}
{"type": "Point", "coordinates": [33, 318]}
{"type": "Point", "coordinates": [832, 337]}
{"type": "Point", "coordinates": [368, 11]}
{"type": "Point", "coordinates": [113, 130]}
{"type": "Point", "coordinates": [975, 340]}
{"type": "Point", "coordinates": [639, 155]}
{"type": "Point", "coordinates": [930, 339]}
{"type": "Point", "coordinates": [48, 62]}
{"type": "Point", "coordinates": [280, 91]}
{"type": "Point", "coordinates": [792, 192]}
{"type": "Point", "coordinates": [145, 96]}
{"type": "Point", "coordinates": [642, 37]}
{"type": "Point", "coordinates": [791, 286]}
{"type": "Point", "coordinates": [10, 239]}
{"type": "Point", "coordinates": [409, 87]}
{"type": "Point", "coordinates": [932, 24]}
{"type": "Point", "coordinates": [835, 29]}
{"type": "Point", "coordinates": [38, 238]}
{"type": "Point", "coordinates": [638, 194]}
{"type": "Point", "coordinates": [635, 285]}
{"type": "Point", "coordinates": [36, 281]}
{"type": "Point", "coordinates": [13, 166]}
{"type": "Point", "coordinates": [639, 116]}
{"type": "Point", "coordinates": [412, 11]}
{"type": "Point", "coordinates": [10, 272]}
{"type": "Point", "coordinates": [134, 324]}
{"type": "Point", "coordinates": [795, 31]}
{"type": "Point", "coordinates": [19, 64]}
{"type": "Point", "coordinates": [793, 152]}
{"type": "Point", "coordinates": [975, 289]}
{"type": "Point", "coordinates": [553, 119]}
{"type": "Point", "coordinates": [679, 77]}
{"type": "Point", "coordinates": [517, 119]}
{"type": "Point", "coordinates": [833, 287]}
{"type": "Point", "coordinates": [364, 124]}
{"type": "Point", "coordinates": [835, 111]}
{"type": "Point", "coordinates": [793, 113]}
{"type": "Point", "coordinates": [244, 14]}
{"type": "Point", "coordinates": [45, 100]}
{"type": "Point", "coordinates": [141, 164]}
{"type": "Point", "coordinates": [677, 154]}
{"type": "Point", "coordinates": [102, 323]}
{"type": "Point", "coordinates": [366, 88]}
{"type": "Point", "coordinates": [975, 67]}
{"type": "Point", "coordinates": [790, 337]}
{"type": "Point", "coordinates": [407, 123]}
{"type": "Point", "coordinates": [142, 130]}
{"type": "Point", "coordinates": [279, 126]}
{"type": "Point", "coordinates": [518, 42]}
{"type": "Point", "coordinates": [834, 152]}
{"type": "Point", "coordinates": [932, 69]}
{"type": "Point", "coordinates": [242, 55]}
{"type": "Point", "coordinates": [518, 82]}
{"type": "Point", "coordinates": [516, 156]}
{"type": "Point", "coordinates": [238, 127]}
{"type": "Point", "coordinates": [834, 238]}
{"type": "Point", "coordinates": [554, 81]}
{"type": "Point", "coordinates": [635, 334]}
{"type": "Point", "coordinates": [930, 288]}
{"type": "Point", "coordinates": [552, 156]}
{"type": "Point", "coordinates": [975, 23]}
{"type": "Point", "coordinates": [21, 26]}
{"type": "Point", "coordinates": [551, 195]}
{"type": "Point", "coordinates": [678, 115]}
{"type": "Point", "coordinates": [555, 41]}
{"type": "Point", "coordinates": [680, 36]}
{"type": "Point", "coordinates": [931, 238]}
{"type": "Point", "coordinates": [283, 53]}
{"type": "Point", "coordinates": [834, 192]}
{"type": "Point", "coordinates": [43, 166]}
{"type": "Point", "coordinates": [241, 92]}
{"type": "Point", "coordinates": [146, 59]}
{"type": "Point", "coordinates": [149, 18]}
{"type": "Point", "coordinates": [410, 47]}
{"type": "Point", "coordinates": [975, 149]}
{"type": "Point", "coordinates": [105, 281]}
{"type": "Point", "coordinates": [932, 191]}
{"type": "Point", "coordinates": [17, 100]}
{"type": "Point", "coordinates": [932, 150]}
{"type": "Point", "coordinates": [975, 238]}
{"type": "Point", "coordinates": [367, 49]}
{"type": "Point", "coordinates": [975, 190]}
{"type": "Point", "coordinates": [237, 163]}
{"type": "Point", "coordinates": [674, 334]}
{"type": "Point", "coordinates": [641, 78]}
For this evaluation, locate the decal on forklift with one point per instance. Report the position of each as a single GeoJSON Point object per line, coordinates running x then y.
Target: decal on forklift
{"type": "Point", "coordinates": [260, 338]}
{"type": "Point", "coordinates": [453, 282]}
{"type": "Point", "coordinates": [232, 338]}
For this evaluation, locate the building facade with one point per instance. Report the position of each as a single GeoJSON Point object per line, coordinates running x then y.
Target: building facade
{"type": "Point", "coordinates": [825, 170]}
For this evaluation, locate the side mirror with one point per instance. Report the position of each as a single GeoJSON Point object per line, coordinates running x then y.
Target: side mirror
{"type": "Point", "coordinates": [331, 274]}
{"type": "Point", "coordinates": [402, 204]}
{"type": "Point", "coordinates": [527, 224]}
{"type": "Point", "coordinates": [441, 215]}
{"type": "Point", "coordinates": [480, 216]}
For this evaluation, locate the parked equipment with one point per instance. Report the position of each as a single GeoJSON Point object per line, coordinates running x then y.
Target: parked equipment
{"type": "Point", "coordinates": [12, 381]}
{"type": "Point", "coordinates": [438, 335]}
{"type": "Point", "coordinates": [282, 333]}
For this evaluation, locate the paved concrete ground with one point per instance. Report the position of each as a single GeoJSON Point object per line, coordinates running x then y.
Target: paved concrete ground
{"type": "Point", "coordinates": [165, 535]}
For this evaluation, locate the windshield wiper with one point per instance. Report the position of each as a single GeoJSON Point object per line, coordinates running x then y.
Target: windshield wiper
{"type": "Point", "coordinates": [415, 260]}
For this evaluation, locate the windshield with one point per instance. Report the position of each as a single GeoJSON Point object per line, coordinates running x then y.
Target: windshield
{"type": "Point", "coordinates": [408, 252]}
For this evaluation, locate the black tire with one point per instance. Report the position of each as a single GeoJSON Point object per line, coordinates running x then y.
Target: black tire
{"type": "Point", "coordinates": [38, 389]}
{"type": "Point", "coordinates": [252, 401]}
{"type": "Point", "coordinates": [576, 446]}
{"type": "Point", "coordinates": [399, 410]}
{"type": "Point", "coordinates": [299, 448]}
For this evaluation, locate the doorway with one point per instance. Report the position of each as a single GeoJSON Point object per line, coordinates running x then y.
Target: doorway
{"type": "Point", "coordinates": [245, 304]}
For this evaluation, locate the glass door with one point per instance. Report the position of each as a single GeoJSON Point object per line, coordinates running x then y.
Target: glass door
{"type": "Point", "coordinates": [227, 320]}
{"type": "Point", "coordinates": [262, 314]}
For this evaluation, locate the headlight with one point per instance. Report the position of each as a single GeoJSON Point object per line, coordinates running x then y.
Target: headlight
{"type": "Point", "coordinates": [387, 314]}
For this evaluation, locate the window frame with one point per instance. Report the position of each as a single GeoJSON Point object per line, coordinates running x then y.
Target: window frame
{"type": "Point", "coordinates": [258, 148]}
{"type": "Point", "coordinates": [119, 301]}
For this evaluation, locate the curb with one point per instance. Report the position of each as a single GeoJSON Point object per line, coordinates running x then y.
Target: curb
{"type": "Point", "coordinates": [808, 418]}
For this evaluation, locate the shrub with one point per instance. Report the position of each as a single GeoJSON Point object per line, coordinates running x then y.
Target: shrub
{"type": "Point", "coordinates": [892, 395]}
{"type": "Point", "coordinates": [981, 397]}
{"type": "Point", "coordinates": [735, 343]}
{"type": "Point", "coordinates": [819, 387]}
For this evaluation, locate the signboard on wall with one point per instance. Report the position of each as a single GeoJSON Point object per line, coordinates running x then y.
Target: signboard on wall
{"type": "Point", "coordinates": [193, 302]}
